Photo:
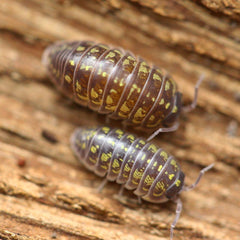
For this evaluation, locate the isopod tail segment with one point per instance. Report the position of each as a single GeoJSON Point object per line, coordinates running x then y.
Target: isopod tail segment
{"type": "Point", "coordinates": [178, 201]}
{"type": "Point", "coordinates": [184, 109]}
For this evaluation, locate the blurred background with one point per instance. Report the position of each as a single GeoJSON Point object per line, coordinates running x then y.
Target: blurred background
{"type": "Point", "coordinates": [44, 194]}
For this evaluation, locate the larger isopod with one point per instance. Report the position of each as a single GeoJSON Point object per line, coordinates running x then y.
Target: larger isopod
{"type": "Point", "coordinates": [113, 81]}
{"type": "Point", "coordinates": [153, 174]}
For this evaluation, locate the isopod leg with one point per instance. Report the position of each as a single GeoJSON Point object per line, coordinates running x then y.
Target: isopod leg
{"type": "Point", "coordinates": [102, 185]}
{"type": "Point", "coordinates": [120, 193]}
{"type": "Point", "coordinates": [178, 212]}
{"type": "Point", "coordinates": [169, 129]}
{"type": "Point", "coordinates": [107, 120]}
{"type": "Point", "coordinates": [190, 107]}
{"type": "Point", "coordinates": [188, 188]}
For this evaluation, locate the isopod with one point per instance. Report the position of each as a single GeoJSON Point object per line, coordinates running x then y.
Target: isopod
{"type": "Point", "coordinates": [113, 81]}
{"type": "Point", "coordinates": [136, 164]}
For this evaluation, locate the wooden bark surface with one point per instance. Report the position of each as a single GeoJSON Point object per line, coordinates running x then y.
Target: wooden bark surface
{"type": "Point", "coordinates": [51, 196]}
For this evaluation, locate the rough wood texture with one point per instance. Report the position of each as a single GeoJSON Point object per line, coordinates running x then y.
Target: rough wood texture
{"type": "Point", "coordinates": [44, 194]}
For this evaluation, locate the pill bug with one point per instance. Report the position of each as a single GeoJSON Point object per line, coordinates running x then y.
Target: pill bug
{"type": "Point", "coordinates": [136, 164]}
{"type": "Point", "coordinates": [113, 81]}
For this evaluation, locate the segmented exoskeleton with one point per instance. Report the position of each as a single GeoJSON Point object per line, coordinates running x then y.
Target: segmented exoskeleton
{"type": "Point", "coordinates": [113, 81]}
{"type": "Point", "coordinates": [138, 165]}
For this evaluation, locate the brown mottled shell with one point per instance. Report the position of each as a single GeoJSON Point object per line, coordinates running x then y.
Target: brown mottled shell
{"type": "Point", "coordinates": [114, 82]}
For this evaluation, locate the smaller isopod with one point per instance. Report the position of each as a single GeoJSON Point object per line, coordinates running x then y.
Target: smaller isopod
{"type": "Point", "coordinates": [153, 174]}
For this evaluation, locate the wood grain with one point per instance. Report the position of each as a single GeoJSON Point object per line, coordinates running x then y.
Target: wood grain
{"type": "Point", "coordinates": [51, 195]}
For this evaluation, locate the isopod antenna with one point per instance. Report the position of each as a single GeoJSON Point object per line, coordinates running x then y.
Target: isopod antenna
{"type": "Point", "coordinates": [179, 202]}
{"type": "Point", "coordinates": [193, 105]}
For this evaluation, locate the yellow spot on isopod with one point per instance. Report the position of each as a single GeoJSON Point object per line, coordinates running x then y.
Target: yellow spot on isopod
{"type": "Point", "coordinates": [104, 74]}
{"type": "Point", "coordinates": [152, 118]}
{"type": "Point", "coordinates": [153, 148]}
{"type": "Point", "coordinates": [167, 86]}
{"type": "Point", "coordinates": [124, 109]}
{"type": "Point", "coordinates": [84, 145]}
{"type": "Point", "coordinates": [68, 78]}
{"type": "Point", "coordinates": [72, 62]}
{"type": "Point", "coordinates": [178, 182]}
{"type": "Point", "coordinates": [167, 105]}
{"type": "Point", "coordinates": [111, 60]}
{"type": "Point", "coordinates": [127, 168]}
{"type": "Point", "coordinates": [117, 51]}
{"type": "Point", "coordinates": [164, 154]}
{"type": "Point", "coordinates": [94, 94]}
{"type": "Point", "coordinates": [113, 91]}
{"type": "Point", "coordinates": [153, 99]}
{"type": "Point", "coordinates": [162, 101]}
{"type": "Point", "coordinates": [116, 171]}
{"type": "Point", "coordinates": [106, 129]}
{"type": "Point", "coordinates": [105, 156]}
{"type": "Point", "coordinates": [110, 55]}
{"type": "Point", "coordinates": [174, 163]}
{"type": "Point", "coordinates": [143, 68]}
{"type": "Point", "coordinates": [119, 131]}
{"type": "Point", "coordinates": [160, 186]}
{"type": "Point", "coordinates": [140, 113]}
{"type": "Point", "coordinates": [94, 50]}
{"type": "Point", "coordinates": [109, 100]}
{"type": "Point", "coordinates": [131, 58]}
{"type": "Point", "coordinates": [121, 82]}
{"type": "Point", "coordinates": [102, 46]}
{"type": "Point", "coordinates": [125, 62]}
{"type": "Point", "coordinates": [93, 149]}
{"type": "Point", "coordinates": [156, 77]}
{"type": "Point", "coordinates": [92, 160]}
{"type": "Point", "coordinates": [148, 180]}
{"type": "Point", "coordinates": [131, 137]}
{"type": "Point", "coordinates": [88, 67]}
{"type": "Point", "coordinates": [175, 109]}
{"type": "Point", "coordinates": [112, 142]}
{"type": "Point", "coordinates": [170, 176]}
{"type": "Point", "coordinates": [80, 48]}
{"type": "Point", "coordinates": [148, 94]}
{"type": "Point", "coordinates": [115, 164]}
{"type": "Point", "coordinates": [137, 174]}
{"type": "Point", "coordinates": [110, 108]}
{"type": "Point", "coordinates": [160, 168]}
{"type": "Point", "coordinates": [83, 66]}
